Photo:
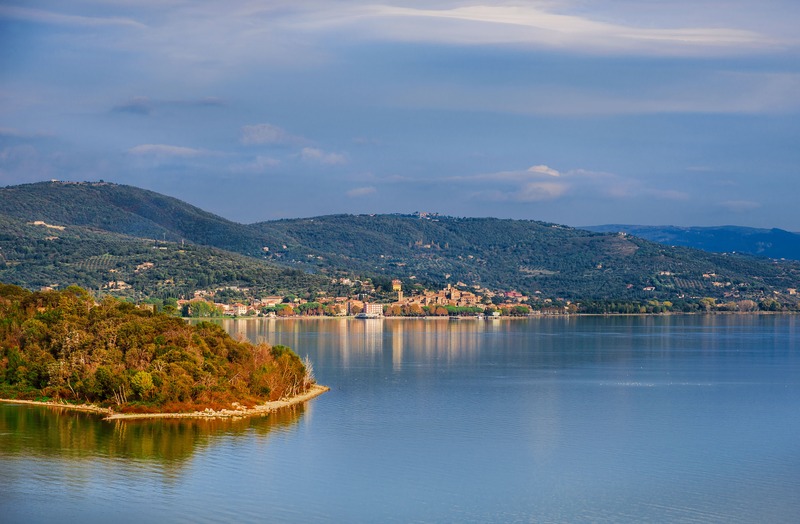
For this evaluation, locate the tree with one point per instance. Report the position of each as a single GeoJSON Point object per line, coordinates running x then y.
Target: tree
{"type": "Point", "coordinates": [747, 305]}
{"type": "Point", "coordinates": [440, 311]}
{"type": "Point", "coordinates": [142, 384]}
{"type": "Point", "coordinates": [769, 304]}
{"type": "Point", "coordinates": [284, 311]}
{"type": "Point", "coordinates": [415, 310]}
{"type": "Point", "coordinates": [203, 309]}
{"type": "Point", "coordinates": [393, 311]}
{"type": "Point", "coordinates": [708, 303]}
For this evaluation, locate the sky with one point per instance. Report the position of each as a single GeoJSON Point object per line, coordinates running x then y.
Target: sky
{"type": "Point", "coordinates": [578, 112]}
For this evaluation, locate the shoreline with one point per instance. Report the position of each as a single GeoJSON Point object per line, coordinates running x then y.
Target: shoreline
{"type": "Point", "coordinates": [262, 409]}
{"type": "Point", "coordinates": [506, 317]}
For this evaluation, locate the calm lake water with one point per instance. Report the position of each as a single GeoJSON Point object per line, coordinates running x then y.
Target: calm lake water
{"type": "Point", "coordinates": [621, 419]}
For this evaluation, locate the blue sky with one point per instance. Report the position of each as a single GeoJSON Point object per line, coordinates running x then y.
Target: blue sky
{"type": "Point", "coordinates": [578, 112]}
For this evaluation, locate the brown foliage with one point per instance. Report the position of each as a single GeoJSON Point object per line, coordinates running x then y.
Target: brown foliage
{"type": "Point", "coordinates": [62, 343]}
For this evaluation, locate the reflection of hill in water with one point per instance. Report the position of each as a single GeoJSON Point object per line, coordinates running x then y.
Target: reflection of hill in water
{"type": "Point", "coordinates": [50, 431]}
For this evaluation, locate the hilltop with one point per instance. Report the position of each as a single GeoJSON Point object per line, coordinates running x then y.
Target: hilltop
{"type": "Point", "coordinates": [125, 210]}
{"type": "Point", "coordinates": [539, 259]}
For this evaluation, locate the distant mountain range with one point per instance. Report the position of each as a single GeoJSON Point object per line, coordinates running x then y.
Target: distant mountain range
{"type": "Point", "coordinates": [111, 230]}
{"type": "Point", "coordinates": [771, 243]}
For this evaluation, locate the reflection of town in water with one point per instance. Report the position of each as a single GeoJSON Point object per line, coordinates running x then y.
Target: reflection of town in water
{"type": "Point", "coordinates": [340, 340]}
{"type": "Point", "coordinates": [396, 343]}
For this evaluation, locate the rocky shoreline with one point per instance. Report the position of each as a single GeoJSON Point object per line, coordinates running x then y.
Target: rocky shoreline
{"type": "Point", "coordinates": [235, 412]}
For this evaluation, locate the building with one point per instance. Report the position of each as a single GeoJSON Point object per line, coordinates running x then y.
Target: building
{"type": "Point", "coordinates": [371, 310]}
{"type": "Point", "coordinates": [271, 301]}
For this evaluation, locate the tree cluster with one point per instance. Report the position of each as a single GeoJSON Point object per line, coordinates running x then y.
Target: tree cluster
{"type": "Point", "coordinates": [63, 345]}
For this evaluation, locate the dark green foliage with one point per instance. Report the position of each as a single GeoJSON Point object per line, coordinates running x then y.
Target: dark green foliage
{"type": "Point", "coordinates": [36, 256]}
{"type": "Point", "coordinates": [61, 344]}
{"type": "Point", "coordinates": [556, 261]}
{"type": "Point", "coordinates": [127, 210]}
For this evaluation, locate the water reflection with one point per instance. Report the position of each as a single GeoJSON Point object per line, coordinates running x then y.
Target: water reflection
{"type": "Point", "coordinates": [33, 431]}
{"type": "Point", "coordinates": [408, 340]}
{"type": "Point", "coordinates": [548, 343]}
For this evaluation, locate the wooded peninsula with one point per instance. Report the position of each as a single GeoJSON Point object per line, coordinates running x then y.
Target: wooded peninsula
{"type": "Point", "coordinates": [64, 346]}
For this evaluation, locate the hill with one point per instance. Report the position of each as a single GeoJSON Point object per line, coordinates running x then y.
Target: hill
{"type": "Point", "coordinates": [771, 243]}
{"type": "Point", "coordinates": [557, 261]}
{"type": "Point", "coordinates": [126, 210]}
{"type": "Point", "coordinates": [50, 255]}
{"type": "Point", "coordinates": [537, 258]}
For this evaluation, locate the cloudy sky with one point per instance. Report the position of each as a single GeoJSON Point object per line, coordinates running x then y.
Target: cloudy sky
{"type": "Point", "coordinates": [579, 112]}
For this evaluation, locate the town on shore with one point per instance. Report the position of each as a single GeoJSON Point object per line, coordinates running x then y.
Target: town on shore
{"type": "Point", "coordinates": [366, 300]}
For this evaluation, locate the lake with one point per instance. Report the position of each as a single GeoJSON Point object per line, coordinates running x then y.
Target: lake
{"type": "Point", "coordinates": [580, 419]}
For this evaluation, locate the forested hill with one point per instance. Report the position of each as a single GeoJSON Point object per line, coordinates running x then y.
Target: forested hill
{"type": "Point", "coordinates": [51, 255]}
{"type": "Point", "coordinates": [529, 256]}
{"type": "Point", "coordinates": [771, 243]}
{"type": "Point", "coordinates": [127, 210]}
{"type": "Point", "coordinates": [556, 260]}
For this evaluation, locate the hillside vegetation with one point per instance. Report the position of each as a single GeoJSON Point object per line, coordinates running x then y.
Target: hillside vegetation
{"type": "Point", "coordinates": [36, 256]}
{"type": "Point", "coordinates": [531, 256]}
{"type": "Point", "coordinates": [60, 344]}
{"type": "Point", "coordinates": [126, 210]}
{"type": "Point", "coordinates": [537, 258]}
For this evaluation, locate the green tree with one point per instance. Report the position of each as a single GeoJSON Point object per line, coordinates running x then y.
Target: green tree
{"type": "Point", "coordinates": [142, 384]}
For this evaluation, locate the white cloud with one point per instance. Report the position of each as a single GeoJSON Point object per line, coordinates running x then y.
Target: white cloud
{"type": "Point", "coordinates": [556, 25]}
{"type": "Point", "coordinates": [318, 155]}
{"type": "Point", "coordinates": [543, 183]}
{"type": "Point", "coordinates": [268, 134]}
{"type": "Point", "coordinates": [50, 17]}
{"type": "Point", "coordinates": [544, 170]}
{"type": "Point", "coordinates": [361, 191]}
{"type": "Point", "coordinates": [165, 151]}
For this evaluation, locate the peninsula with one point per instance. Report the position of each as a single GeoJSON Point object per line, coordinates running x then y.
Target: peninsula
{"type": "Point", "coordinates": [64, 349]}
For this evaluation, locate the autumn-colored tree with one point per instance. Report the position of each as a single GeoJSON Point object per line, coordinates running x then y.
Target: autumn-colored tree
{"type": "Point", "coordinates": [62, 344]}
{"type": "Point", "coordinates": [285, 311]}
